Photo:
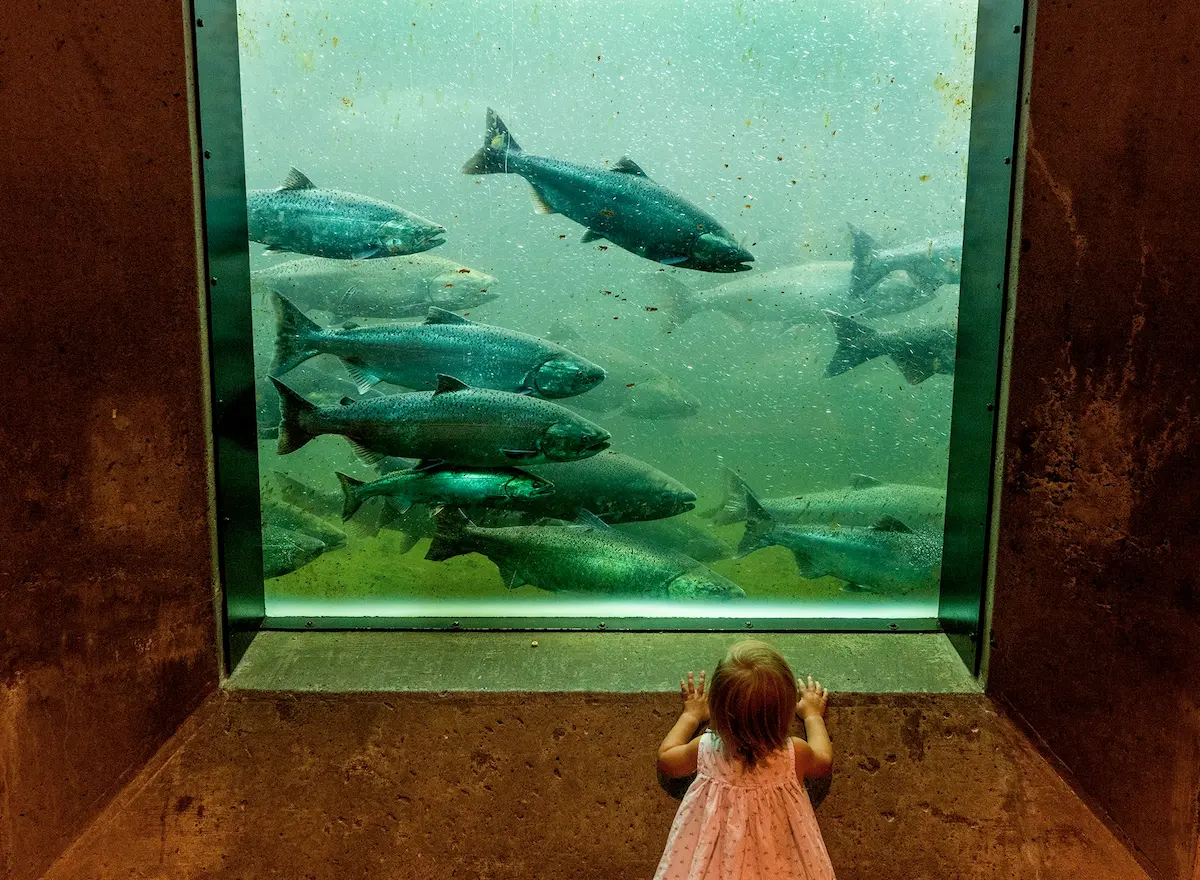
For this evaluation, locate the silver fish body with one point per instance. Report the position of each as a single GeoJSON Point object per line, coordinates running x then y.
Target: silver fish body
{"type": "Point", "coordinates": [302, 218]}
{"type": "Point", "coordinates": [613, 486]}
{"type": "Point", "coordinates": [887, 557]}
{"type": "Point", "coordinates": [931, 262]}
{"type": "Point", "coordinates": [920, 352]}
{"type": "Point", "coordinates": [388, 288]}
{"type": "Point", "coordinates": [585, 558]}
{"type": "Point", "coordinates": [863, 503]}
{"type": "Point", "coordinates": [793, 295]}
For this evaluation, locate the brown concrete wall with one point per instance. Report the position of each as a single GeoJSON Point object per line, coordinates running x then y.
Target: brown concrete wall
{"type": "Point", "coordinates": [105, 585]}
{"type": "Point", "coordinates": [498, 786]}
{"type": "Point", "coordinates": [1097, 611]}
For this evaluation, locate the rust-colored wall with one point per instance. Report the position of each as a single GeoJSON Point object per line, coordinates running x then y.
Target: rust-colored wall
{"type": "Point", "coordinates": [531, 786]}
{"type": "Point", "coordinates": [1097, 610]}
{"type": "Point", "coordinates": [106, 622]}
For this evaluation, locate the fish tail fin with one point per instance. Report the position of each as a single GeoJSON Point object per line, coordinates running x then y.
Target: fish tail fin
{"type": "Point", "coordinates": [293, 409]}
{"type": "Point", "coordinates": [758, 526]}
{"type": "Point", "coordinates": [865, 249]}
{"type": "Point", "coordinates": [677, 301]}
{"type": "Point", "coordinates": [857, 344]}
{"type": "Point", "coordinates": [352, 496]}
{"type": "Point", "coordinates": [450, 537]}
{"type": "Point", "coordinates": [492, 157]}
{"type": "Point", "coordinates": [295, 334]}
{"type": "Point", "coordinates": [733, 505]}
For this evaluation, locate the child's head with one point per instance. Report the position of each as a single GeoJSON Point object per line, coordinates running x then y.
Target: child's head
{"type": "Point", "coordinates": [751, 700]}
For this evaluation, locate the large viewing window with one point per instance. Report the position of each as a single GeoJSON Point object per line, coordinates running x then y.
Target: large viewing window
{"type": "Point", "coordinates": [621, 315]}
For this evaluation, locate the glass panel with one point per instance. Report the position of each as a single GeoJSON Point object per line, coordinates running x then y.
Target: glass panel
{"type": "Point", "coordinates": [772, 197]}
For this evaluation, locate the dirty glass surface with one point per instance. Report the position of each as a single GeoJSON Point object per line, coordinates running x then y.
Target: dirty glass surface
{"type": "Point", "coordinates": [730, 234]}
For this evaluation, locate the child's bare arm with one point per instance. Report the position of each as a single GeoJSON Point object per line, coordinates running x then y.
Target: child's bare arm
{"type": "Point", "coordinates": [678, 752]}
{"type": "Point", "coordinates": [814, 758]}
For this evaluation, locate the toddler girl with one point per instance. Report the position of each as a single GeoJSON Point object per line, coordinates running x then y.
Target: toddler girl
{"type": "Point", "coordinates": [747, 816]}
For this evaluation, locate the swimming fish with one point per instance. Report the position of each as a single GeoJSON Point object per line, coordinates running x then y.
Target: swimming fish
{"type": "Point", "coordinates": [304, 219]}
{"type": "Point", "coordinates": [620, 204]}
{"type": "Point", "coordinates": [412, 355]}
{"type": "Point", "coordinates": [919, 352]}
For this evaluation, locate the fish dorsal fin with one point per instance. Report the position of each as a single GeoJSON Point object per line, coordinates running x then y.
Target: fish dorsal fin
{"type": "Point", "coordinates": [890, 524]}
{"type": "Point", "coordinates": [625, 165]}
{"type": "Point", "coordinates": [587, 518]}
{"type": "Point", "coordinates": [862, 481]}
{"type": "Point", "coordinates": [441, 316]}
{"type": "Point", "coordinates": [296, 180]}
{"type": "Point", "coordinates": [448, 385]}
{"type": "Point", "coordinates": [590, 236]}
{"type": "Point", "coordinates": [562, 331]}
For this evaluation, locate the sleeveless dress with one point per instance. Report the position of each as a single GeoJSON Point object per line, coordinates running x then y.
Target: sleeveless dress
{"type": "Point", "coordinates": [740, 824]}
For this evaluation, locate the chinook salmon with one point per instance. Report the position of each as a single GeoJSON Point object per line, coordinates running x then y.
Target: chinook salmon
{"type": "Point", "coordinates": [301, 218]}
{"type": "Point", "coordinates": [866, 501]}
{"type": "Point", "coordinates": [454, 424]}
{"type": "Point", "coordinates": [888, 556]}
{"type": "Point", "coordinates": [620, 204]}
{"type": "Point", "coordinates": [634, 387]}
{"type": "Point", "coordinates": [678, 534]}
{"type": "Point", "coordinates": [919, 352]}
{"type": "Point", "coordinates": [614, 487]}
{"type": "Point", "coordinates": [792, 295]}
{"type": "Point", "coordinates": [285, 550]}
{"type": "Point", "coordinates": [931, 262]}
{"type": "Point", "coordinates": [447, 486]}
{"type": "Point", "coordinates": [388, 288]}
{"type": "Point", "coordinates": [412, 355]}
{"type": "Point", "coordinates": [582, 557]}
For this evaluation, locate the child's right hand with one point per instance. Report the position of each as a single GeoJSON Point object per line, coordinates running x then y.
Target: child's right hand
{"type": "Point", "coordinates": [695, 700]}
{"type": "Point", "coordinates": [813, 698]}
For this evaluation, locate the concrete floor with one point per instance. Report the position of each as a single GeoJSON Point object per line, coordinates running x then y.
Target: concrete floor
{"type": "Point", "coordinates": [593, 662]}
{"type": "Point", "coordinates": [536, 786]}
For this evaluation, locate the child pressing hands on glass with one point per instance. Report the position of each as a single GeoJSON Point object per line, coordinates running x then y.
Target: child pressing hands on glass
{"type": "Point", "coordinates": [748, 813]}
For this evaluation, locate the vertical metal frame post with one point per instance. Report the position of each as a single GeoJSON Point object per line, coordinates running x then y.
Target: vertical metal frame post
{"type": "Point", "coordinates": [999, 44]}
{"type": "Point", "coordinates": [227, 263]}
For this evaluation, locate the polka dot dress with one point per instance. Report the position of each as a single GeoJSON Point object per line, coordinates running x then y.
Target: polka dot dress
{"type": "Point", "coordinates": [741, 824]}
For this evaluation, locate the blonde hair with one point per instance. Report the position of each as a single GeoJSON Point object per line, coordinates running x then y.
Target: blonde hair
{"type": "Point", "coordinates": [751, 700]}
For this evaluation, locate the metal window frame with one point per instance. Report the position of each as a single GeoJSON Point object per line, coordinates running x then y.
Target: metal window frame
{"type": "Point", "coordinates": [1000, 44]}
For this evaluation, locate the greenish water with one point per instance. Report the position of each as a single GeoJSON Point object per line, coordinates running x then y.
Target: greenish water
{"type": "Point", "coordinates": [785, 121]}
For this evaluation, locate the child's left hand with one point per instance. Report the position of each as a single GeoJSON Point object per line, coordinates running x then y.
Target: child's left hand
{"type": "Point", "coordinates": [695, 700]}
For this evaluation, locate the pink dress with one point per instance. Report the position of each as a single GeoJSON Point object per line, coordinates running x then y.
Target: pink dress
{"type": "Point", "coordinates": [740, 824]}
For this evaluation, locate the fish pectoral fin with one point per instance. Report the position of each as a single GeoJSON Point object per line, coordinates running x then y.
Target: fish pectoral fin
{"type": "Point", "coordinates": [589, 519]}
{"type": "Point", "coordinates": [590, 236]}
{"type": "Point", "coordinates": [625, 165]}
{"type": "Point", "coordinates": [915, 370]}
{"type": "Point", "coordinates": [296, 180]}
{"type": "Point", "coordinates": [511, 577]}
{"type": "Point", "coordinates": [276, 249]}
{"type": "Point", "coordinates": [441, 316]}
{"type": "Point", "coordinates": [448, 385]}
{"type": "Point", "coordinates": [854, 588]}
{"type": "Point", "coordinates": [426, 464]}
{"type": "Point", "coordinates": [540, 205]}
{"type": "Point", "coordinates": [364, 379]}
{"type": "Point", "coordinates": [518, 454]}
{"type": "Point", "coordinates": [890, 524]}
{"type": "Point", "coordinates": [806, 567]}
{"type": "Point", "coordinates": [366, 253]}
{"type": "Point", "coordinates": [862, 481]}
{"type": "Point", "coordinates": [673, 261]}
{"type": "Point", "coordinates": [365, 455]}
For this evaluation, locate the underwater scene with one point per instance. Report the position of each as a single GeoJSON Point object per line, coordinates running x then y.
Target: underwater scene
{"type": "Point", "coordinates": [631, 311]}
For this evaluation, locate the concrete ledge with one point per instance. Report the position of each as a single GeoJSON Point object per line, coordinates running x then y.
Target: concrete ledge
{"type": "Point", "coordinates": [592, 662]}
